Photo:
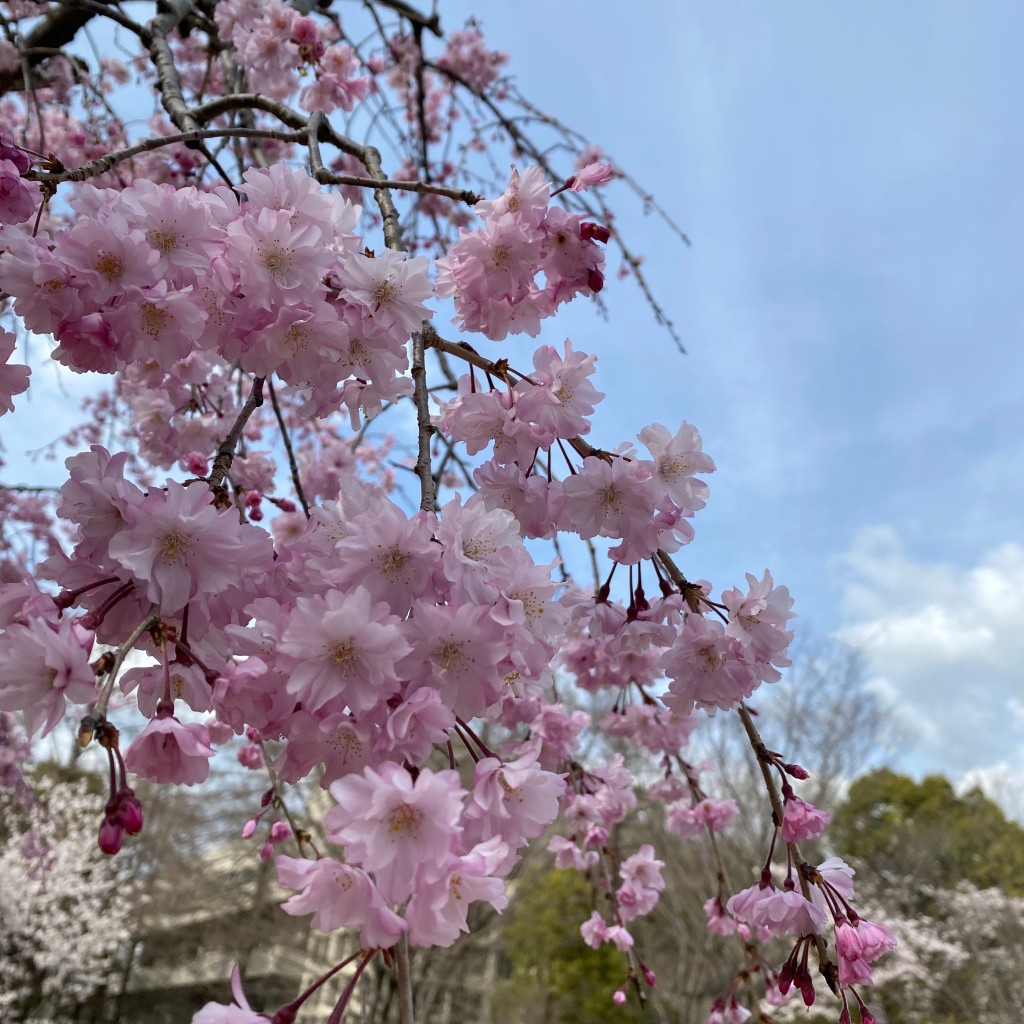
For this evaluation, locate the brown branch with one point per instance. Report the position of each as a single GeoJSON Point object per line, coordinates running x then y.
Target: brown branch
{"type": "Point", "coordinates": [155, 38]}
{"type": "Point", "coordinates": [55, 30]}
{"type": "Point", "coordinates": [388, 211]}
{"type": "Point", "coordinates": [826, 967]}
{"type": "Point", "coordinates": [432, 24]}
{"type": "Point", "coordinates": [105, 163]}
{"type": "Point", "coordinates": [99, 708]}
{"type": "Point", "coordinates": [226, 452]}
{"type": "Point", "coordinates": [428, 497]}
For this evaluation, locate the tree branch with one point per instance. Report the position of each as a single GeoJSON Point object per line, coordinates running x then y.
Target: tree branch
{"type": "Point", "coordinates": [226, 452]}
{"type": "Point", "coordinates": [428, 497]}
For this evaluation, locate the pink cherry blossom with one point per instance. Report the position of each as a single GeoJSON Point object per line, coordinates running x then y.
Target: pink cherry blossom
{"type": "Point", "coordinates": [13, 379]}
{"type": "Point", "coordinates": [802, 821]}
{"type": "Point", "coordinates": [42, 666]}
{"type": "Point", "coordinates": [240, 1013]}
{"type": "Point", "coordinates": [339, 896]}
{"type": "Point", "coordinates": [179, 546]}
{"type": "Point", "coordinates": [399, 829]}
{"type": "Point", "coordinates": [677, 461]}
{"type": "Point", "coordinates": [594, 930]}
{"type": "Point", "coordinates": [393, 556]}
{"type": "Point", "coordinates": [18, 196]}
{"type": "Point", "coordinates": [707, 668]}
{"type": "Point", "coordinates": [169, 751]}
{"type": "Point", "coordinates": [515, 801]}
{"type": "Point", "coordinates": [391, 288]}
{"type": "Point", "coordinates": [863, 940]}
{"type": "Point", "coordinates": [342, 647]}
{"type": "Point", "coordinates": [437, 912]}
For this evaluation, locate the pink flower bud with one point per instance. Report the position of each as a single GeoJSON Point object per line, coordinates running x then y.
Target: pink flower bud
{"type": "Point", "coordinates": [304, 31]}
{"type": "Point", "coordinates": [111, 836]}
{"type": "Point", "coordinates": [196, 464]}
{"type": "Point", "coordinates": [250, 756]}
{"type": "Point", "coordinates": [249, 828]}
{"type": "Point", "coordinates": [267, 850]}
{"type": "Point", "coordinates": [619, 997]}
{"type": "Point", "coordinates": [279, 832]}
{"type": "Point", "coordinates": [130, 814]}
{"type": "Point", "coordinates": [220, 732]}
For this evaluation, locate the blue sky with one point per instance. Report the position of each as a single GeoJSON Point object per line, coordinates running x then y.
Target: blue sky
{"type": "Point", "coordinates": [850, 176]}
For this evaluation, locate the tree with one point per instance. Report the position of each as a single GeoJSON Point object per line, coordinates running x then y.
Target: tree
{"type": "Point", "coordinates": [263, 294]}
{"type": "Point", "coordinates": [890, 823]}
{"type": "Point", "coordinates": [55, 883]}
{"type": "Point", "coordinates": [555, 978]}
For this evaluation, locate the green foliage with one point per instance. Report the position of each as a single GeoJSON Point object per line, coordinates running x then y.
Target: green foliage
{"type": "Point", "coordinates": [555, 977]}
{"type": "Point", "coordinates": [923, 830]}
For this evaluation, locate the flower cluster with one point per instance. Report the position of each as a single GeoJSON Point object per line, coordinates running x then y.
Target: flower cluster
{"type": "Point", "coordinates": [491, 272]}
{"type": "Point", "coordinates": [19, 196]}
{"type": "Point", "coordinates": [151, 274]}
{"type": "Point", "coordinates": [279, 581]}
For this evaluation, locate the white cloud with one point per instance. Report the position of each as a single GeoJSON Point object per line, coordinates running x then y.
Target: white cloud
{"type": "Point", "coordinates": [945, 649]}
{"type": "Point", "coordinates": [1002, 782]}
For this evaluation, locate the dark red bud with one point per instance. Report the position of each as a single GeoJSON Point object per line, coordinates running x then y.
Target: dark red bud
{"type": "Point", "coordinates": [130, 815]}
{"type": "Point", "coordinates": [595, 280]}
{"type": "Point", "coordinates": [785, 977]}
{"type": "Point", "coordinates": [591, 232]}
{"type": "Point", "coordinates": [111, 836]}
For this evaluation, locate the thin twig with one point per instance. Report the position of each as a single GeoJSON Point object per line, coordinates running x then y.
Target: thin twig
{"type": "Point", "coordinates": [99, 709]}
{"type": "Point", "coordinates": [105, 163]}
{"type": "Point", "coordinates": [292, 464]}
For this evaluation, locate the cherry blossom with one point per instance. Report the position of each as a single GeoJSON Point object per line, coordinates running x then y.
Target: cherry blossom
{"type": "Point", "coordinates": [392, 615]}
{"type": "Point", "coordinates": [398, 829]}
{"type": "Point", "coordinates": [170, 751]}
{"type": "Point", "coordinates": [13, 379]}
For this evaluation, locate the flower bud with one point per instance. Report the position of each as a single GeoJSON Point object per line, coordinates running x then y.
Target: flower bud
{"type": "Point", "coordinates": [111, 836]}
{"type": "Point", "coordinates": [129, 814]}
{"type": "Point", "coordinates": [279, 832]}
